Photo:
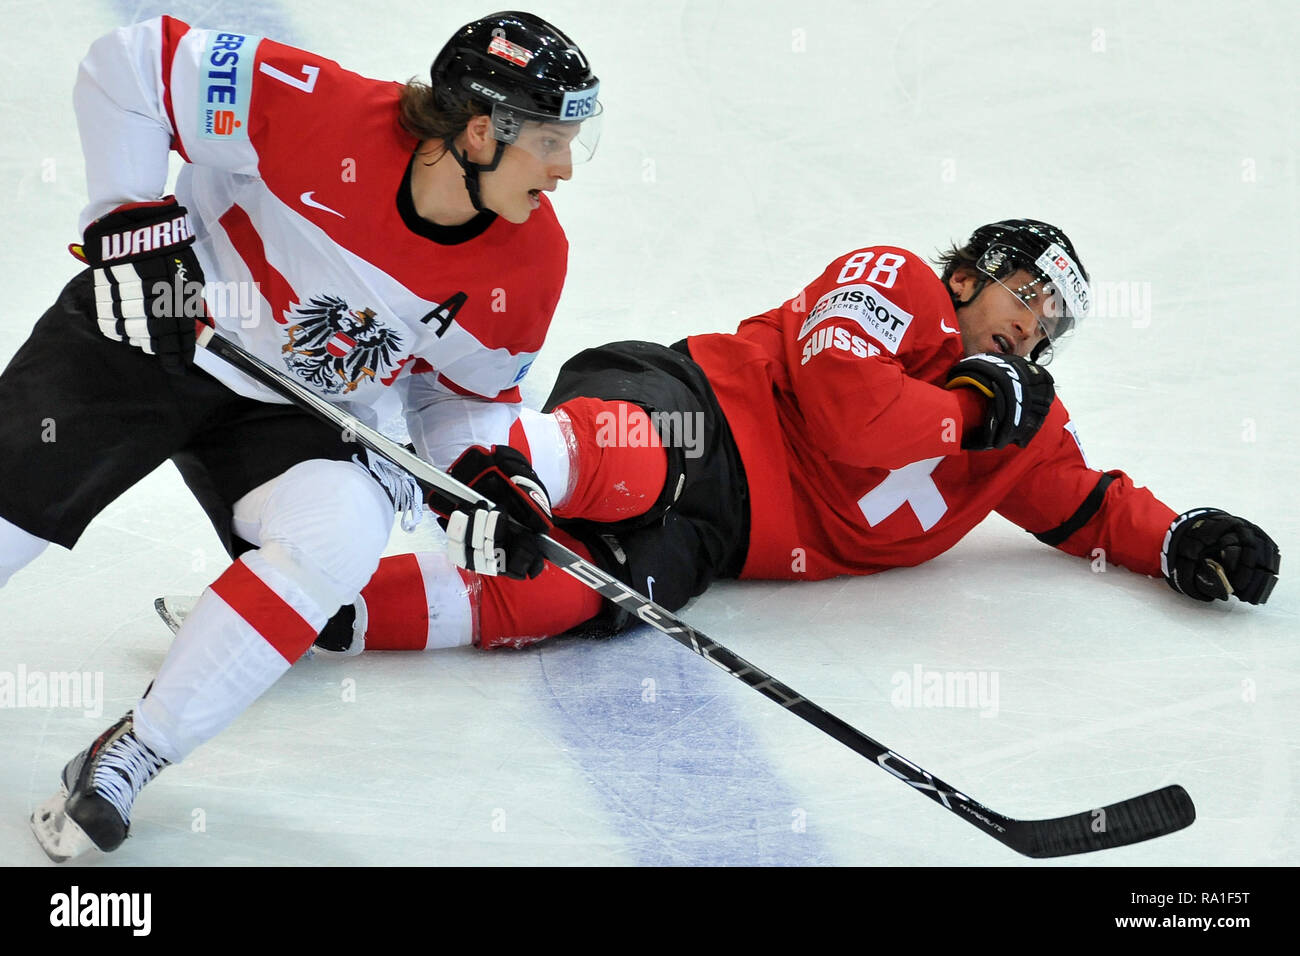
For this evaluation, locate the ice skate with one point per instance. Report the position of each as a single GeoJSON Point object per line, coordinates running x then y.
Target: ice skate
{"type": "Point", "coordinates": [175, 608]}
{"type": "Point", "coordinates": [93, 807]}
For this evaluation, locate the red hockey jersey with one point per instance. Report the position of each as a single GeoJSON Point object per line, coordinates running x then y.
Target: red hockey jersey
{"type": "Point", "coordinates": [851, 445]}
{"type": "Point", "coordinates": [314, 257]}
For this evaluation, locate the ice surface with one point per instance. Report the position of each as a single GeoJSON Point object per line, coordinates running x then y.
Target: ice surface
{"type": "Point", "coordinates": [746, 145]}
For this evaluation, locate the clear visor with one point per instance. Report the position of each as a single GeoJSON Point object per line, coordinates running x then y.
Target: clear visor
{"type": "Point", "coordinates": [1056, 312]}
{"type": "Point", "coordinates": [552, 141]}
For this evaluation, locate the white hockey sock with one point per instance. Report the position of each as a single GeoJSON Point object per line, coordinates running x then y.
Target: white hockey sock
{"type": "Point", "coordinates": [17, 549]}
{"type": "Point", "coordinates": [241, 636]}
{"type": "Point", "coordinates": [449, 601]}
{"type": "Point", "coordinates": [322, 526]}
{"type": "Point", "coordinates": [553, 451]}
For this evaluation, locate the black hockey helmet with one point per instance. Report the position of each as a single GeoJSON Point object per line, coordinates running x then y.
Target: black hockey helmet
{"type": "Point", "coordinates": [522, 68]}
{"type": "Point", "coordinates": [1057, 277]}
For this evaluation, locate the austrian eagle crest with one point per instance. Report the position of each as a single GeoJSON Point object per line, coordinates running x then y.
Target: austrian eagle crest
{"type": "Point", "coordinates": [334, 348]}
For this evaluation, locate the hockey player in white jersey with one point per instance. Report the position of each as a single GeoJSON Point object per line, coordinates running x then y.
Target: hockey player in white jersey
{"type": "Point", "coordinates": [373, 239]}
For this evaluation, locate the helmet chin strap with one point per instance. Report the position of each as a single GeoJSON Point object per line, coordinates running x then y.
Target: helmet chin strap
{"type": "Point", "coordinates": [980, 283]}
{"type": "Point", "coordinates": [472, 170]}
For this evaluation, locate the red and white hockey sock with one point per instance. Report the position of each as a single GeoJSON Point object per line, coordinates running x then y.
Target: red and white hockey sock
{"type": "Point", "coordinates": [424, 602]}
{"type": "Point", "coordinates": [518, 613]}
{"type": "Point", "coordinates": [417, 602]}
{"type": "Point", "coordinates": [244, 632]}
{"type": "Point", "coordinates": [599, 459]}
{"type": "Point", "coordinates": [621, 462]}
{"type": "Point", "coordinates": [547, 442]}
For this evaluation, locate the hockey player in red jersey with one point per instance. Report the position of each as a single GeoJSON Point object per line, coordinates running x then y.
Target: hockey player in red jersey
{"type": "Point", "coordinates": [375, 240]}
{"type": "Point", "coordinates": [870, 422]}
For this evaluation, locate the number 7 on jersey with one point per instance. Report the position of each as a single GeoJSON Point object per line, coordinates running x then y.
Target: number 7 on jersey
{"type": "Point", "coordinates": [306, 82]}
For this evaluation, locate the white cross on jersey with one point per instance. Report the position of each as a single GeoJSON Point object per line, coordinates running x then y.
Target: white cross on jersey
{"type": "Point", "coordinates": [909, 485]}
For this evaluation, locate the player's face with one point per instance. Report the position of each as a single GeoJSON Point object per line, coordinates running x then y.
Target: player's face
{"type": "Point", "coordinates": [535, 163]}
{"type": "Point", "coordinates": [996, 321]}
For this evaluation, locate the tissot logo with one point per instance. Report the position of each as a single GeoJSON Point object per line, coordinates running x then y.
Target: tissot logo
{"type": "Point", "coordinates": [866, 305]}
{"type": "Point", "coordinates": [1065, 273]}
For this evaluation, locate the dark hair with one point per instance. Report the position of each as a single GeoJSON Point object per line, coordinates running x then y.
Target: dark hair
{"type": "Point", "coordinates": [422, 117]}
{"type": "Point", "coordinates": [956, 257]}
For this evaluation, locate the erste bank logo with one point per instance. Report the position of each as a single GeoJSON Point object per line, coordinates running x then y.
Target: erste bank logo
{"type": "Point", "coordinates": [579, 104]}
{"type": "Point", "coordinates": [226, 85]}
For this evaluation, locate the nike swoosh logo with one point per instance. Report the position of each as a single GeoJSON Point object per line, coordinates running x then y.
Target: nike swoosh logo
{"type": "Point", "coordinates": [943, 325]}
{"type": "Point", "coordinates": [308, 201]}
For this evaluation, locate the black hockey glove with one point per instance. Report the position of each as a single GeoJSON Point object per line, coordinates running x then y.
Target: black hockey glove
{"type": "Point", "coordinates": [480, 538]}
{"type": "Point", "coordinates": [148, 283]}
{"type": "Point", "coordinates": [1209, 554]}
{"type": "Point", "coordinates": [1020, 394]}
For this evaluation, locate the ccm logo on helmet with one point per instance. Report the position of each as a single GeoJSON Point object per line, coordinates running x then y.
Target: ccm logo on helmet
{"type": "Point", "coordinates": [580, 104]}
{"type": "Point", "coordinates": [480, 88]}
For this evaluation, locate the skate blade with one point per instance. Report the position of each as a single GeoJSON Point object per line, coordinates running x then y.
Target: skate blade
{"type": "Point", "coordinates": [174, 609]}
{"type": "Point", "coordinates": [60, 837]}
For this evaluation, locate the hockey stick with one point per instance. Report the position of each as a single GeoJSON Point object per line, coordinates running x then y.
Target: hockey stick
{"type": "Point", "coordinates": [1119, 824]}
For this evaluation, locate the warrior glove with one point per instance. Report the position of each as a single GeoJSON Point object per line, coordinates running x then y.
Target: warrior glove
{"type": "Point", "coordinates": [481, 537]}
{"type": "Point", "coordinates": [148, 283]}
{"type": "Point", "coordinates": [1019, 395]}
{"type": "Point", "coordinates": [1209, 554]}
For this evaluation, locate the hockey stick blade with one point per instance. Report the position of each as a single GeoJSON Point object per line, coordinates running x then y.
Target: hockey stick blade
{"type": "Point", "coordinates": [1129, 821]}
{"type": "Point", "coordinates": [1153, 814]}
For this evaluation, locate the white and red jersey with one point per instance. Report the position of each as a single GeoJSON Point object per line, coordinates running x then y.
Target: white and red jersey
{"type": "Point", "coordinates": [315, 260]}
{"type": "Point", "coordinates": [851, 444]}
